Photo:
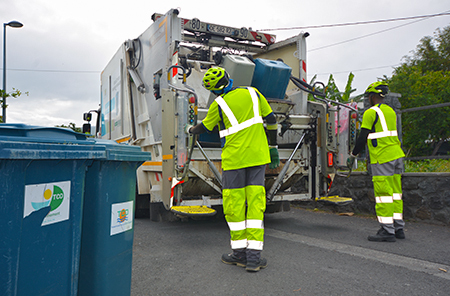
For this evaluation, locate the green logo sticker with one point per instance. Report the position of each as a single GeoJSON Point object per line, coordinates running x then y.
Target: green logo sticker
{"type": "Point", "coordinates": [53, 195]}
{"type": "Point", "coordinates": [57, 198]}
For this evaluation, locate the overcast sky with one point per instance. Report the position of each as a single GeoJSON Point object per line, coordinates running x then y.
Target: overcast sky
{"type": "Point", "coordinates": [59, 53]}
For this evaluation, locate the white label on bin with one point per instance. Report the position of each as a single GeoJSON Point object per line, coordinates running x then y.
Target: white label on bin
{"type": "Point", "coordinates": [121, 217]}
{"type": "Point", "coordinates": [54, 195]}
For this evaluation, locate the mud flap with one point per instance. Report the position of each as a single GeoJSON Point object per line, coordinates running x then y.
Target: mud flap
{"type": "Point", "coordinates": [335, 200]}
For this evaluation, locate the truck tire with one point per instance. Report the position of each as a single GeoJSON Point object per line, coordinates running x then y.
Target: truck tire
{"type": "Point", "coordinates": [142, 206]}
{"type": "Point", "coordinates": [154, 211]}
{"type": "Point", "coordinates": [158, 213]}
{"type": "Point", "coordinates": [278, 206]}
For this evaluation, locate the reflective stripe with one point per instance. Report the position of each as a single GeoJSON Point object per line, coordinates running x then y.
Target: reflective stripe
{"type": "Point", "coordinates": [255, 224]}
{"type": "Point", "coordinates": [255, 245]}
{"type": "Point", "coordinates": [227, 111]}
{"type": "Point", "coordinates": [383, 199]}
{"type": "Point", "coordinates": [397, 196]}
{"type": "Point", "coordinates": [239, 127]}
{"type": "Point", "coordinates": [385, 220]}
{"type": "Point", "coordinates": [382, 135]}
{"type": "Point", "coordinates": [235, 125]}
{"type": "Point", "coordinates": [385, 132]}
{"type": "Point", "coordinates": [236, 226]}
{"type": "Point", "coordinates": [398, 216]}
{"type": "Point", "coordinates": [272, 127]}
{"type": "Point", "coordinates": [239, 244]}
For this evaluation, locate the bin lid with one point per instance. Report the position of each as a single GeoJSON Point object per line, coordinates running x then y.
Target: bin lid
{"type": "Point", "coordinates": [20, 141]}
{"type": "Point", "coordinates": [31, 132]}
{"type": "Point", "coordinates": [122, 152]}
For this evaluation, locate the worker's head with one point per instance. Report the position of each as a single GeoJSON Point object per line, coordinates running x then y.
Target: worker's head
{"type": "Point", "coordinates": [376, 92]}
{"type": "Point", "coordinates": [216, 80]}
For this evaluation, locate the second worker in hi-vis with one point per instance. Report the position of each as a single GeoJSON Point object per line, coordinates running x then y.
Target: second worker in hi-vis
{"type": "Point", "coordinates": [379, 130]}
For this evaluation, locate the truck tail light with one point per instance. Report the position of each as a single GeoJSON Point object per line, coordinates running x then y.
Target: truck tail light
{"type": "Point", "coordinates": [330, 158]}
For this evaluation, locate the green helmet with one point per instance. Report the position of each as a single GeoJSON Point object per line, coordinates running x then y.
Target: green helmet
{"type": "Point", "coordinates": [379, 87]}
{"type": "Point", "coordinates": [215, 79]}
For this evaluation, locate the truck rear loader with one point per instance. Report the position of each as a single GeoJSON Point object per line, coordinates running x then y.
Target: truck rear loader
{"type": "Point", "coordinates": [152, 88]}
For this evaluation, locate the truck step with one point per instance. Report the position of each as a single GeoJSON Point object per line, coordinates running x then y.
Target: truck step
{"type": "Point", "coordinates": [193, 211]}
{"type": "Point", "coordinates": [335, 200]}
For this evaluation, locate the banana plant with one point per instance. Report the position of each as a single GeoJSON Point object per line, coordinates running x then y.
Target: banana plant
{"type": "Point", "coordinates": [332, 91]}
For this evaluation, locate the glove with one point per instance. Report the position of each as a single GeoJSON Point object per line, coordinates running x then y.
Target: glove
{"type": "Point", "coordinates": [187, 127]}
{"type": "Point", "coordinates": [351, 161]}
{"type": "Point", "coordinates": [274, 157]}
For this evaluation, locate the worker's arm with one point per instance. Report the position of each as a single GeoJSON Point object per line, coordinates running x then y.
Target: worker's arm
{"type": "Point", "coordinates": [196, 129]}
{"type": "Point", "coordinates": [272, 127]}
{"type": "Point", "coordinates": [361, 141]}
{"type": "Point", "coordinates": [359, 145]}
{"type": "Point", "coordinates": [208, 123]}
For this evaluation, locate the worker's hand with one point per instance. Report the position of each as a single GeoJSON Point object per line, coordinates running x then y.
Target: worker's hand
{"type": "Point", "coordinates": [274, 157]}
{"type": "Point", "coordinates": [351, 161]}
{"type": "Point", "coordinates": [187, 127]}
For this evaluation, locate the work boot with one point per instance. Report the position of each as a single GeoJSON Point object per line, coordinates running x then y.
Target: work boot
{"type": "Point", "coordinates": [382, 236]}
{"type": "Point", "coordinates": [254, 260]}
{"type": "Point", "coordinates": [399, 233]}
{"type": "Point", "coordinates": [255, 266]}
{"type": "Point", "coordinates": [238, 257]}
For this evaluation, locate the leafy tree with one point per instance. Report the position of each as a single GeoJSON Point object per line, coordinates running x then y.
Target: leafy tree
{"type": "Point", "coordinates": [14, 94]}
{"type": "Point", "coordinates": [71, 126]}
{"type": "Point", "coordinates": [424, 79]}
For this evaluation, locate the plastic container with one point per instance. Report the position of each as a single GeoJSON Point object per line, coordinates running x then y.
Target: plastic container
{"type": "Point", "coordinates": [41, 199]}
{"type": "Point", "coordinates": [271, 78]}
{"type": "Point", "coordinates": [239, 68]}
{"type": "Point", "coordinates": [107, 236]}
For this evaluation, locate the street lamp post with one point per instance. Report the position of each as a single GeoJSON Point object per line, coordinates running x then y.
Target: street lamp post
{"type": "Point", "coordinates": [13, 24]}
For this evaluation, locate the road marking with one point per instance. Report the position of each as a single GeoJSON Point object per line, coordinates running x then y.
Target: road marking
{"type": "Point", "coordinates": [383, 257]}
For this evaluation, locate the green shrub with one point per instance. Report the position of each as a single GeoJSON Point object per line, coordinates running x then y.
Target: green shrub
{"type": "Point", "coordinates": [418, 166]}
{"type": "Point", "coordinates": [427, 166]}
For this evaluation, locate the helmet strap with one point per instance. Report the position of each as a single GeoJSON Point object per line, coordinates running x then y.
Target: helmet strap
{"type": "Point", "coordinates": [229, 86]}
{"type": "Point", "coordinates": [218, 92]}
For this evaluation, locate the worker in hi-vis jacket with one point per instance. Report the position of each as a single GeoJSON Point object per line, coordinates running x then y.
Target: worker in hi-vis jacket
{"type": "Point", "coordinates": [239, 114]}
{"type": "Point", "coordinates": [379, 130]}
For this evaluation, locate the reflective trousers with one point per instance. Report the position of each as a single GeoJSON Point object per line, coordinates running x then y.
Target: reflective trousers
{"type": "Point", "coordinates": [387, 186]}
{"type": "Point", "coordinates": [244, 203]}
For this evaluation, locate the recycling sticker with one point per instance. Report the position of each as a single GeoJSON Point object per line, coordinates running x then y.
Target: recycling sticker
{"type": "Point", "coordinates": [121, 217]}
{"type": "Point", "coordinates": [54, 195]}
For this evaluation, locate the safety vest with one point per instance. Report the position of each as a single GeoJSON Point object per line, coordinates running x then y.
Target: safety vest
{"type": "Point", "coordinates": [385, 132]}
{"type": "Point", "coordinates": [235, 125]}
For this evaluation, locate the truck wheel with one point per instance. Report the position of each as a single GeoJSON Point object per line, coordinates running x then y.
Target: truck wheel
{"type": "Point", "coordinates": [278, 206]}
{"type": "Point", "coordinates": [158, 213]}
{"type": "Point", "coordinates": [142, 206]}
{"type": "Point", "coordinates": [155, 209]}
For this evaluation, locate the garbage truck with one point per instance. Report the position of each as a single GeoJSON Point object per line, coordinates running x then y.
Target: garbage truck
{"type": "Point", "coordinates": [152, 87]}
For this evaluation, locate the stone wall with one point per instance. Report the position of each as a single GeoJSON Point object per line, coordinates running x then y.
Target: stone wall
{"type": "Point", "coordinates": [426, 196]}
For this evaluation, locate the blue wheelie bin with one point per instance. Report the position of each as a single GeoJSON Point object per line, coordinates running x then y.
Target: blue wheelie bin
{"type": "Point", "coordinates": [107, 236]}
{"type": "Point", "coordinates": [66, 208]}
{"type": "Point", "coordinates": [42, 183]}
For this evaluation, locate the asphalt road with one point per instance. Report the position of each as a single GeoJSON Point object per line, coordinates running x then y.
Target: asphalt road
{"type": "Point", "coordinates": [308, 253]}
